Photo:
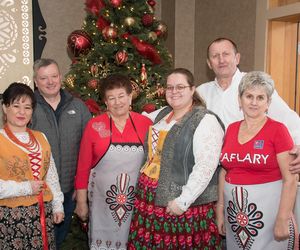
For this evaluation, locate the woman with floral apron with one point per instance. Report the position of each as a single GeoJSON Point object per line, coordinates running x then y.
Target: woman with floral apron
{"type": "Point", "coordinates": [111, 154]}
{"type": "Point", "coordinates": [256, 189]}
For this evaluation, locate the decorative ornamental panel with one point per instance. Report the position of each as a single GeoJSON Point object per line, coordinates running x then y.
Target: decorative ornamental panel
{"type": "Point", "coordinates": [16, 43]}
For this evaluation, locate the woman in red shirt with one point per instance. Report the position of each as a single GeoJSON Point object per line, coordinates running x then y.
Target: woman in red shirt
{"type": "Point", "coordinates": [111, 153]}
{"type": "Point", "coordinates": [256, 189]}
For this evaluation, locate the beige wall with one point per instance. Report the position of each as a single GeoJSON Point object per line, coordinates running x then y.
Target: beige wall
{"type": "Point", "coordinates": [224, 18]}
{"type": "Point", "coordinates": [193, 24]}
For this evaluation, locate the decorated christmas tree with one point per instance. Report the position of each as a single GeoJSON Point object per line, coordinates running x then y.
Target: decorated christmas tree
{"type": "Point", "coordinates": [119, 36]}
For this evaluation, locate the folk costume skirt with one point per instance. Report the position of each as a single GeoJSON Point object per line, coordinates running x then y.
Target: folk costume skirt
{"type": "Point", "coordinates": [250, 214]}
{"type": "Point", "coordinates": [20, 227]}
{"type": "Point", "coordinates": [152, 228]}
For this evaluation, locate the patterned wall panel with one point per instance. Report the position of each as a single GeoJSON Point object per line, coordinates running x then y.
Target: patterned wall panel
{"type": "Point", "coordinates": [16, 45]}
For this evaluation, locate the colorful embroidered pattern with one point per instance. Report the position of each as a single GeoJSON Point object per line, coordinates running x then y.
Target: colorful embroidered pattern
{"type": "Point", "coordinates": [121, 198]}
{"type": "Point", "coordinates": [244, 218]}
{"type": "Point", "coordinates": [153, 228]}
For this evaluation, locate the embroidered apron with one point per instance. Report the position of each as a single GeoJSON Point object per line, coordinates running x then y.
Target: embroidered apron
{"type": "Point", "coordinates": [250, 214]}
{"type": "Point", "coordinates": [111, 194]}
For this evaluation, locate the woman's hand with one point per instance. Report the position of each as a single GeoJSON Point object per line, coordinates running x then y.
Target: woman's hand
{"type": "Point", "coordinates": [220, 219]}
{"type": "Point", "coordinates": [281, 229]}
{"type": "Point", "coordinates": [295, 163]}
{"type": "Point", "coordinates": [173, 208]}
{"type": "Point", "coordinates": [36, 186]}
{"type": "Point", "coordinates": [82, 210]}
{"type": "Point", "coordinates": [58, 217]}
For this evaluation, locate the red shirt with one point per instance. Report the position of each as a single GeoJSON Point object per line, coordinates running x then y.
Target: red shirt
{"type": "Point", "coordinates": [96, 139]}
{"type": "Point", "coordinates": [255, 162]}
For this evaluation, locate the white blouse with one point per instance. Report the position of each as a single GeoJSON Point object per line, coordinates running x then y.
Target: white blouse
{"type": "Point", "coordinates": [9, 188]}
{"type": "Point", "coordinates": [207, 144]}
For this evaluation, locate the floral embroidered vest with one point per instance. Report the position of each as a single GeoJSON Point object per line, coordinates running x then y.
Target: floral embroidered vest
{"type": "Point", "coordinates": [15, 165]}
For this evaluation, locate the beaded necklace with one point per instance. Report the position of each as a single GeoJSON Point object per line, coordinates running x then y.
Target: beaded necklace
{"type": "Point", "coordinates": [32, 145]}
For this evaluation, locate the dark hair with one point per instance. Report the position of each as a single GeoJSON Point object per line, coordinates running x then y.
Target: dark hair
{"type": "Point", "coordinates": [197, 100]}
{"type": "Point", "coordinates": [220, 39]}
{"type": "Point", "coordinates": [113, 82]}
{"type": "Point", "coordinates": [16, 91]}
{"type": "Point", "coordinates": [43, 62]}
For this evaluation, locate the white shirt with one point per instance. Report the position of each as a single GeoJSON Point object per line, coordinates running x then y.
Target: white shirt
{"type": "Point", "coordinates": [207, 144]}
{"type": "Point", "coordinates": [9, 189]}
{"type": "Point", "coordinates": [225, 104]}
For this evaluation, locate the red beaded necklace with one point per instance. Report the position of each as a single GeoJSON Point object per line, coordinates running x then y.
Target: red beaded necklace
{"type": "Point", "coordinates": [31, 145]}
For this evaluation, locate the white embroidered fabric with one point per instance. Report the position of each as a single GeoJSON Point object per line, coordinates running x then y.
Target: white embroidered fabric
{"type": "Point", "coordinates": [207, 144]}
{"type": "Point", "coordinates": [9, 189]}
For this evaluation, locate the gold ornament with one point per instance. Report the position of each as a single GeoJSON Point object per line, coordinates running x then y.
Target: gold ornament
{"type": "Point", "coordinates": [152, 35]}
{"type": "Point", "coordinates": [144, 78]}
{"type": "Point", "coordinates": [162, 29]}
{"type": "Point", "coordinates": [135, 89]}
{"type": "Point", "coordinates": [151, 10]}
{"type": "Point", "coordinates": [69, 81]}
{"type": "Point", "coordinates": [129, 21]}
{"type": "Point", "coordinates": [104, 69]}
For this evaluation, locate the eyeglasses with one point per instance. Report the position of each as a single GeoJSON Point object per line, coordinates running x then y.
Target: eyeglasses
{"type": "Point", "coordinates": [178, 88]}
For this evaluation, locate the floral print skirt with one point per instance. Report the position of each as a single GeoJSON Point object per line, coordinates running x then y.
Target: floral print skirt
{"type": "Point", "coordinates": [152, 228]}
{"type": "Point", "coordinates": [20, 227]}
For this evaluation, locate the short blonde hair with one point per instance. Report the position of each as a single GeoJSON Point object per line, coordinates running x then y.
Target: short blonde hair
{"type": "Point", "coordinates": [257, 78]}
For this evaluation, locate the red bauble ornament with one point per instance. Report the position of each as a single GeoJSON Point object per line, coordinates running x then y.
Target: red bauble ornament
{"type": "Point", "coordinates": [149, 107]}
{"type": "Point", "coordinates": [115, 3]}
{"type": "Point", "coordinates": [109, 33]}
{"type": "Point", "coordinates": [94, 6]}
{"type": "Point", "coordinates": [94, 70]}
{"type": "Point", "coordinates": [160, 92]}
{"type": "Point", "coordinates": [151, 3]}
{"type": "Point", "coordinates": [121, 57]}
{"type": "Point", "coordinates": [79, 42]}
{"type": "Point", "coordinates": [147, 20]}
{"type": "Point", "coordinates": [102, 23]}
{"type": "Point", "coordinates": [125, 36]}
{"type": "Point", "coordinates": [93, 83]}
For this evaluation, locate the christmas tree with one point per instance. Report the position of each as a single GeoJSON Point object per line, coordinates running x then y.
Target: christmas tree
{"type": "Point", "coordinates": [119, 36]}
